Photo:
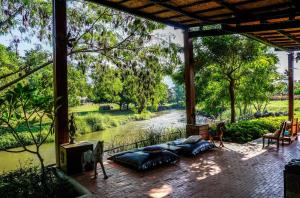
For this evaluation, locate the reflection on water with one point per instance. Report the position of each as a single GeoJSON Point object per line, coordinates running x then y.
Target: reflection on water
{"type": "Point", "coordinates": [173, 118]}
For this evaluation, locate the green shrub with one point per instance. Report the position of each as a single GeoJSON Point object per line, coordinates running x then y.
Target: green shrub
{"type": "Point", "coordinates": [245, 131]}
{"type": "Point", "coordinates": [27, 182]}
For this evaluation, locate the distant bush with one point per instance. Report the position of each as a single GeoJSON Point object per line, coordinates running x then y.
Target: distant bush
{"type": "Point", "coordinates": [245, 131]}
{"type": "Point", "coordinates": [8, 141]}
{"type": "Point", "coordinates": [92, 122]}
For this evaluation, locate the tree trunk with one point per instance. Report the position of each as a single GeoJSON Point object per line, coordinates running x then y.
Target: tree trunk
{"type": "Point", "coordinates": [232, 99]}
{"type": "Point", "coordinates": [141, 106]}
{"type": "Point", "coordinates": [43, 173]}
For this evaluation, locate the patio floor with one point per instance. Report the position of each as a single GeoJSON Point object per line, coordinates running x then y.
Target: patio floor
{"type": "Point", "coordinates": [235, 171]}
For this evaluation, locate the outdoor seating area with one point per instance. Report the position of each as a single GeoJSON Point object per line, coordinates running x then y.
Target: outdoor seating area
{"type": "Point", "coordinates": [288, 132]}
{"type": "Point", "coordinates": [234, 171]}
{"type": "Point", "coordinates": [218, 67]}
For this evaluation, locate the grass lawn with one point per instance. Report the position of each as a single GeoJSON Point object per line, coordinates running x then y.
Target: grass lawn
{"type": "Point", "coordinates": [282, 105]}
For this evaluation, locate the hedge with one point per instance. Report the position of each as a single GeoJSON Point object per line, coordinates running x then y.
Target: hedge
{"type": "Point", "coordinates": [246, 131]}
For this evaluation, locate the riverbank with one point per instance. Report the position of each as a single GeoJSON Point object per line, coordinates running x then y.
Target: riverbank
{"type": "Point", "coordinates": [89, 118]}
{"type": "Point", "coordinates": [128, 132]}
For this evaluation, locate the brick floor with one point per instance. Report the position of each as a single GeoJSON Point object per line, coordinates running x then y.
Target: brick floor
{"type": "Point", "coordinates": [235, 171]}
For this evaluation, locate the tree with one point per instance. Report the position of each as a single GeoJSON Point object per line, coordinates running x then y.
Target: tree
{"type": "Point", "coordinates": [93, 31]}
{"type": "Point", "coordinates": [230, 56]}
{"type": "Point", "coordinates": [259, 85]}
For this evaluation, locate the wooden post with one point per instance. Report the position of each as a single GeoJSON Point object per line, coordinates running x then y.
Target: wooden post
{"type": "Point", "coordinates": [291, 84]}
{"type": "Point", "coordinates": [189, 82]}
{"type": "Point", "coordinates": [60, 72]}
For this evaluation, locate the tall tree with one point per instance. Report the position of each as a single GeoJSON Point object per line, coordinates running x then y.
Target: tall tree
{"type": "Point", "coordinates": [231, 56]}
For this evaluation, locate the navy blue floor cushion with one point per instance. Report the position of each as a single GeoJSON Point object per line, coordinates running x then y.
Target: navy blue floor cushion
{"type": "Point", "coordinates": [143, 160]}
{"type": "Point", "coordinates": [193, 149]}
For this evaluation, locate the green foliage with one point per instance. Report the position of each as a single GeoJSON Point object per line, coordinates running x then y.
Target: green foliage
{"type": "Point", "coordinates": [232, 72]}
{"type": "Point", "coordinates": [297, 91]}
{"type": "Point", "coordinates": [151, 136]}
{"type": "Point", "coordinates": [246, 131]}
{"type": "Point", "coordinates": [24, 107]}
{"type": "Point", "coordinates": [120, 53]}
{"type": "Point", "coordinates": [26, 182]}
{"type": "Point", "coordinates": [91, 122]}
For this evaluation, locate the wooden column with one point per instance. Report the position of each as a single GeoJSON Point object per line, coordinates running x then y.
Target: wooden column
{"type": "Point", "coordinates": [189, 82]}
{"type": "Point", "coordinates": [291, 84]}
{"type": "Point", "coordinates": [60, 72]}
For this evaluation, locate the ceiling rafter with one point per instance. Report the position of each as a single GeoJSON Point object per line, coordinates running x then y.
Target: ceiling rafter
{"type": "Point", "coordinates": [139, 13]}
{"type": "Point", "coordinates": [181, 11]}
{"type": "Point", "coordinates": [289, 36]}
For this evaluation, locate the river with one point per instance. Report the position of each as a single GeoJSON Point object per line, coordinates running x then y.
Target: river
{"type": "Point", "coordinates": [171, 118]}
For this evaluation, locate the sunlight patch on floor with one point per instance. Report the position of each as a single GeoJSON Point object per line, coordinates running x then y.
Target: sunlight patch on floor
{"type": "Point", "coordinates": [253, 154]}
{"type": "Point", "coordinates": [161, 192]}
{"type": "Point", "coordinates": [205, 169]}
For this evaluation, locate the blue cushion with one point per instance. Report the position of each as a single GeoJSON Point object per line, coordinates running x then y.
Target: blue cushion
{"type": "Point", "coordinates": [195, 149]}
{"type": "Point", "coordinates": [152, 149]}
{"type": "Point", "coordinates": [141, 160]}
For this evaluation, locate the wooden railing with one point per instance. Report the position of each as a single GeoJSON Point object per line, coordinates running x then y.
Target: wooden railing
{"type": "Point", "coordinates": [160, 138]}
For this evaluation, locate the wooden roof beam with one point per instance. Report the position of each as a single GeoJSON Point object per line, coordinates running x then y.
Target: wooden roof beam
{"type": "Point", "coordinates": [291, 37]}
{"type": "Point", "coordinates": [139, 13]}
{"type": "Point", "coordinates": [263, 27]}
{"type": "Point", "coordinates": [213, 32]}
{"type": "Point", "coordinates": [181, 11]}
{"type": "Point", "coordinates": [265, 13]}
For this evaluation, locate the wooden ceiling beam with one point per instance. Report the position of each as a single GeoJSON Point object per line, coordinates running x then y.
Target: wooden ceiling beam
{"type": "Point", "coordinates": [291, 37]}
{"type": "Point", "coordinates": [213, 32]}
{"type": "Point", "coordinates": [181, 11]}
{"type": "Point", "coordinates": [263, 27]}
{"type": "Point", "coordinates": [139, 13]}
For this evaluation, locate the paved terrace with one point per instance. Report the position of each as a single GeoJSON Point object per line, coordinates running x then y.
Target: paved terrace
{"type": "Point", "coordinates": [235, 171]}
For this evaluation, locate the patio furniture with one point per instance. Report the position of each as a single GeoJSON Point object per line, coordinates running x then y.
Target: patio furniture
{"type": "Point", "coordinates": [198, 129]}
{"type": "Point", "coordinates": [275, 136]}
{"type": "Point", "coordinates": [170, 147]}
{"type": "Point", "coordinates": [71, 154]}
{"type": "Point", "coordinates": [193, 149]}
{"type": "Point", "coordinates": [145, 158]}
{"type": "Point", "coordinates": [292, 132]}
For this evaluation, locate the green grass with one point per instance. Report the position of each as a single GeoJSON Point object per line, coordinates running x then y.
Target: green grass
{"type": "Point", "coordinates": [282, 105]}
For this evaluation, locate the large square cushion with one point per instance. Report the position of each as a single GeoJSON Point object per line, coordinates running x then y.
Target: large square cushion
{"type": "Point", "coordinates": [143, 160]}
{"type": "Point", "coordinates": [193, 149]}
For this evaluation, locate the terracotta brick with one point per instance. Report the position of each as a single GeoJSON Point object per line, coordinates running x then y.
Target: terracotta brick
{"type": "Point", "coordinates": [232, 172]}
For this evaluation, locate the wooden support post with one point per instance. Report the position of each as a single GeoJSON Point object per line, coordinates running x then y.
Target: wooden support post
{"type": "Point", "coordinates": [291, 84]}
{"type": "Point", "coordinates": [189, 82]}
{"type": "Point", "coordinates": [60, 72]}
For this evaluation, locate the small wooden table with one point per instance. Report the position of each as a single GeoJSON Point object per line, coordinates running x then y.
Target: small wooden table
{"type": "Point", "coordinates": [70, 156]}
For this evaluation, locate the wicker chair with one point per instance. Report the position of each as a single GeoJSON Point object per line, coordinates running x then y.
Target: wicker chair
{"type": "Point", "coordinates": [275, 136]}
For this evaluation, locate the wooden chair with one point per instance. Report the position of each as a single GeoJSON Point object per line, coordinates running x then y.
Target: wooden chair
{"type": "Point", "coordinates": [293, 129]}
{"type": "Point", "coordinates": [219, 134]}
{"type": "Point", "coordinates": [275, 136]}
